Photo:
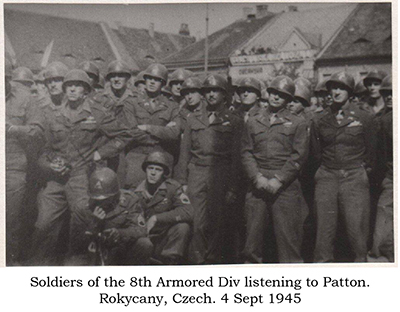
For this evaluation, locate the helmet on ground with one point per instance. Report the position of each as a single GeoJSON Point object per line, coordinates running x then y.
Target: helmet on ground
{"type": "Point", "coordinates": [118, 67]}
{"type": "Point", "coordinates": [180, 74]}
{"type": "Point", "coordinates": [156, 158]}
{"type": "Point", "coordinates": [156, 70]}
{"type": "Point", "coordinates": [215, 82]}
{"type": "Point", "coordinates": [386, 84]}
{"type": "Point", "coordinates": [139, 79]}
{"type": "Point", "coordinates": [191, 83]}
{"type": "Point", "coordinates": [360, 88]}
{"type": "Point", "coordinates": [250, 83]}
{"type": "Point", "coordinates": [342, 78]}
{"type": "Point", "coordinates": [90, 68]}
{"type": "Point", "coordinates": [22, 74]}
{"type": "Point", "coordinates": [77, 75]}
{"type": "Point", "coordinates": [282, 84]}
{"type": "Point", "coordinates": [303, 94]}
{"type": "Point", "coordinates": [103, 183]}
{"type": "Point", "coordinates": [375, 75]}
{"type": "Point", "coordinates": [55, 70]}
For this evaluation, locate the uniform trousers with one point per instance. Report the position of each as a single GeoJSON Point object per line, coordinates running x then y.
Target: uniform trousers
{"type": "Point", "coordinates": [285, 212]}
{"type": "Point", "coordinates": [345, 194]}
{"type": "Point", "coordinates": [55, 202]}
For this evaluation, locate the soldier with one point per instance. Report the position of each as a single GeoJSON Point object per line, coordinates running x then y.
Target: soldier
{"type": "Point", "coordinates": [274, 149]}
{"type": "Point", "coordinates": [164, 210]}
{"type": "Point", "coordinates": [158, 118]}
{"type": "Point", "coordinates": [343, 142]}
{"type": "Point", "coordinates": [383, 244]}
{"type": "Point", "coordinates": [360, 93]}
{"type": "Point", "coordinates": [92, 71]}
{"type": "Point", "coordinates": [80, 134]}
{"type": "Point", "coordinates": [324, 99]}
{"type": "Point", "coordinates": [23, 127]}
{"type": "Point", "coordinates": [140, 83]}
{"type": "Point", "coordinates": [374, 104]}
{"type": "Point", "coordinates": [99, 86]}
{"type": "Point", "coordinates": [54, 77]}
{"type": "Point", "coordinates": [107, 230]}
{"type": "Point", "coordinates": [175, 83]}
{"type": "Point", "coordinates": [300, 106]}
{"type": "Point", "coordinates": [249, 91]}
{"type": "Point", "coordinates": [209, 161]}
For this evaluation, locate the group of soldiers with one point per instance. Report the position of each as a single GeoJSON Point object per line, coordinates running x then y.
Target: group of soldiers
{"type": "Point", "coordinates": [163, 168]}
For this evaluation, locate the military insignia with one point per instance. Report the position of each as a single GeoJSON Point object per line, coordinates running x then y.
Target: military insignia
{"type": "Point", "coordinates": [98, 186]}
{"type": "Point", "coordinates": [117, 144]}
{"type": "Point", "coordinates": [355, 123]}
{"type": "Point", "coordinates": [122, 200]}
{"type": "Point", "coordinates": [184, 199]}
{"type": "Point", "coordinates": [89, 120]}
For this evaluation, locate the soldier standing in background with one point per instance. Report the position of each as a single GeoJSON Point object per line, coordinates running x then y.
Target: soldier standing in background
{"type": "Point", "coordinates": [209, 163]}
{"type": "Point", "coordinates": [274, 149]}
{"type": "Point", "coordinates": [24, 127]}
{"type": "Point", "coordinates": [140, 83]}
{"type": "Point", "coordinates": [92, 71]}
{"type": "Point", "coordinates": [343, 142]}
{"type": "Point", "coordinates": [176, 80]}
{"type": "Point", "coordinates": [374, 103]}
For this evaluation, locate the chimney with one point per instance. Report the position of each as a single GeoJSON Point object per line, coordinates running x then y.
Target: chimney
{"type": "Point", "coordinates": [246, 12]}
{"type": "Point", "coordinates": [292, 8]}
{"type": "Point", "coordinates": [184, 30]}
{"type": "Point", "coordinates": [261, 10]}
{"type": "Point", "coordinates": [151, 30]}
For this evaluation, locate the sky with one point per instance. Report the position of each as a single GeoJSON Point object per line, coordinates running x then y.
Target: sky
{"type": "Point", "coordinates": [166, 17]}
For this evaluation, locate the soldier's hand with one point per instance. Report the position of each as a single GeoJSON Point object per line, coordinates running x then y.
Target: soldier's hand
{"type": "Point", "coordinates": [111, 235]}
{"type": "Point", "coordinates": [99, 213]}
{"type": "Point", "coordinates": [274, 185]}
{"type": "Point", "coordinates": [151, 223]}
{"type": "Point", "coordinates": [262, 183]}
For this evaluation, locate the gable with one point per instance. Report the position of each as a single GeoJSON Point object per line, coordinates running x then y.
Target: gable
{"type": "Point", "coordinates": [294, 43]}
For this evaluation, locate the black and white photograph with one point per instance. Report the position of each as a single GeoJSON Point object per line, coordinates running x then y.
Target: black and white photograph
{"type": "Point", "coordinates": [198, 134]}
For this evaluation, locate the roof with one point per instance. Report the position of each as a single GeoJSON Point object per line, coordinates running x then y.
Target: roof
{"type": "Point", "coordinates": [367, 34]}
{"type": "Point", "coordinates": [140, 44]}
{"type": "Point", "coordinates": [223, 42]}
{"type": "Point", "coordinates": [317, 26]}
{"type": "Point", "coordinates": [74, 40]}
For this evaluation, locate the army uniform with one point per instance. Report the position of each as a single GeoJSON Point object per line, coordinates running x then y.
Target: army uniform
{"type": "Point", "coordinates": [171, 234]}
{"type": "Point", "coordinates": [344, 151]}
{"type": "Point", "coordinates": [162, 120]}
{"type": "Point", "coordinates": [72, 141]}
{"type": "Point", "coordinates": [275, 149]}
{"type": "Point", "coordinates": [209, 161]}
{"type": "Point", "coordinates": [24, 127]}
{"type": "Point", "coordinates": [132, 246]}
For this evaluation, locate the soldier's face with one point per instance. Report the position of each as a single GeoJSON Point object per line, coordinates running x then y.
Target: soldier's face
{"type": "Point", "coordinates": [339, 93]}
{"type": "Point", "coordinates": [192, 97]}
{"type": "Point", "coordinates": [141, 87]}
{"type": "Point", "coordinates": [176, 87]}
{"type": "Point", "coordinates": [119, 81]}
{"type": "Point", "coordinates": [248, 96]}
{"type": "Point", "coordinates": [155, 174]}
{"type": "Point", "coordinates": [214, 96]}
{"type": "Point", "coordinates": [153, 84]}
{"type": "Point", "coordinates": [278, 99]}
{"type": "Point", "coordinates": [295, 106]}
{"type": "Point", "coordinates": [373, 86]}
{"type": "Point", "coordinates": [54, 85]}
{"type": "Point", "coordinates": [387, 97]}
{"type": "Point", "coordinates": [75, 91]}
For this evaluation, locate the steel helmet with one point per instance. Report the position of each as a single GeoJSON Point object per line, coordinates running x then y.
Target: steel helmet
{"type": "Point", "coordinates": [342, 78]}
{"type": "Point", "coordinates": [303, 81]}
{"type": "Point", "coordinates": [215, 82]}
{"type": "Point", "coordinates": [139, 79]}
{"type": "Point", "coordinates": [282, 84]}
{"type": "Point", "coordinates": [166, 90]}
{"type": "Point", "coordinates": [360, 88]}
{"type": "Point", "coordinates": [118, 67]}
{"type": "Point", "coordinates": [156, 70]}
{"type": "Point", "coordinates": [375, 75]}
{"type": "Point", "coordinates": [303, 94]}
{"type": "Point", "coordinates": [8, 68]}
{"type": "Point", "coordinates": [321, 87]}
{"type": "Point", "coordinates": [77, 75]}
{"type": "Point", "coordinates": [103, 183]}
{"type": "Point", "coordinates": [39, 77]}
{"type": "Point", "coordinates": [157, 158]}
{"type": "Point", "coordinates": [386, 84]}
{"type": "Point", "coordinates": [90, 68]}
{"type": "Point", "coordinates": [55, 70]}
{"type": "Point", "coordinates": [251, 83]}
{"type": "Point", "coordinates": [100, 84]}
{"type": "Point", "coordinates": [191, 83]}
{"type": "Point", "coordinates": [22, 74]}
{"type": "Point", "coordinates": [180, 74]}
